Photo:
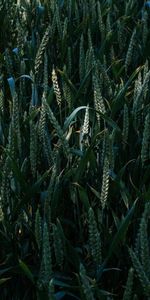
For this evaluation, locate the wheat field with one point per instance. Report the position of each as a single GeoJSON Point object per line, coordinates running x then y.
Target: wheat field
{"type": "Point", "coordinates": [74, 150]}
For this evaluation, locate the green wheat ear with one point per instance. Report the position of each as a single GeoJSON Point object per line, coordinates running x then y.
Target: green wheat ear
{"type": "Point", "coordinates": [77, 15]}
{"type": "Point", "coordinates": [58, 129]}
{"type": "Point", "coordinates": [69, 61]}
{"type": "Point", "coordinates": [82, 59]}
{"type": "Point", "coordinates": [11, 141]}
{"type": "Point", "coordinates": [130, 50]}
{"type": "Point", "coordinates": [67, 94]}
{"type": "Point", "coordinates": [145, 27]}
{"type": "Point", "coordinates": [105, 77]}
{"type": "Point", "coordinates": [92, 4]}
{"type": "Point", "coordinates": [9, 63]}
{"type": "Point", "coordinates": [138, 101]}
{"type": "Point", "coordinates": [56, 88]}
{"type": "Point", "coordinates": [140, 272]}
{"type": "Point", "coordinates": [16, 121]}
{"type": "Point", "coordinates": [144, 245]}
{"type": "Point", "coordinates": [38, 228]}
{"type": "Point", "coordinates": [98, 99]}
{"type": "Point", "coordinates": [140, 257]}
{"type": "Point", "coordinates": [122, 37]}
{"type": "Point", "coordinates": [41, 49]}
{"type": "Point", "coordinates": [1, 213]}
{"type": "Point", "coordinates": [146, 140]}
{"type": "Point", "coordinates": [46, 263]}
{"type": "Point", "coordinates": [86, 284]}
{"type": "Point", "coordinates": [58, 246]}
{"type": "Point", "coordinates": [65, 28]}
{"type": "Point", "coordinates": [45, 83]}
{"type": "Point", "coordinates": [129, 285]}
{"type": "Point", "coordinates": [145, 71]}
{"type": "Point", "coordinates": [108, 32]}
{"type": "Point", "coordinates": [58, 21]}
{"type": "Point", "coordinates": [100, 21]}
{"type": "Point", "coordinates": [105, 183]}
{"type": "Point", "coordinates": [125, 130]}
{"type": "Point", "coordinates": [5, 185]}
{"type": "Point", "coordinates": [94, 238]}
{"type": "Point", "coordinates": [85, 128]}
{"type": "Point", "coordinates": [33, 147]}
{"type": "Point", "coordinates": [42, 119]}
{"type": "Point", "coordinates": [1, 102]}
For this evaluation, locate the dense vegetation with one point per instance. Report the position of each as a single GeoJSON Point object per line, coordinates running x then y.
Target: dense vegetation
{"type": "Point", "coordinates": [74, 149]}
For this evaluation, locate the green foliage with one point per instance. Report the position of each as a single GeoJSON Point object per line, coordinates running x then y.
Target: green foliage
{"type": "Point", "coordinates": [74, 149]}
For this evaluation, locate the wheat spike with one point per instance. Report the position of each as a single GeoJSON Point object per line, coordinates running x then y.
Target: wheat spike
{"type": "Point", "coordinates": [137, 89]}
{"type": "Point", "coordinates": [105, 183]}
{"type": "Point", "coordinates": [84, 139]}
{"type": "Point", "coordinates": [100, 21]}
{"type": "Point", "coordinates": [86, 284]}
{"type": "Point", "coordinates": [89, 60]}
{"type": "Point", "coordinates": [52, 5]}
{"type": "Point", "coordinates": [108, 32]}
{"type": "Point", "coordinates": [41, 49]}
{"type": "Point", "coordinates": [130, 50]}
{"type": "Point", "coordinates": [56, 87]}
{"type": "Point", "coordinates": [1, 5]}
{"type": "Point", "coordinates": [145, 72]}
{"type": "Point", "coordinates": [58, 246]}
{"type": "Point", "coordinates": [57, 128]}
{"type": "Point", "coordinates": [48, 153]}
{"type": "Point", "coordinates": [4, 190]}
{"type": "Point", "coordinates": [42, 120]}
{"type": "Point", "coordinates": [145, 27]}
{"type": "Point", "coordinates": [146, 140]}
{"type": "Point", "coordinates": [1, 102]}
{"type": "Point", "coordinates": [106, 79]}
{"type": "Point", "coordinates": [11, 141]}
{"type": "Point", "coordinates": [69, 60]}
{"type": "Point", "coordinates": [46, 264]}
{"type": "Point", "coordinates": [140, 273]}
{"type": "Point", "coordinates": [47, 210]}
{"type": "Point", "coordinates": [38, 228]}
{"type": "Point", "coordinates": [9, 64]}
{"type": "Point", "coordinates": [16, 121]}
{"type": "Point", "coordinates": [77, 16]}
{"type": "Point", "coordinates": [93, 11]}
{"type": "Point", "coordinates": [111, 155]}
{"type": "Point", "coordinates": [1, 212]}
{"type": "Point", "coordinates": [58, 21]}
{"type": "Point", "coordinates": [98, 100]}
{"type": "Point", "coordinates": [138, 101]}
{"type": "Point", "coordinates": [45, 83]}
{"type": "Point", "coordinates": [129, 285]}
{"type": "Point", "coordinates": [122, 37]}
{"type": "Point", "coordinates": [85, 128]}
{"type": "Point", "coordinates": [65, 27]}
{"type": "Point", "coordinates": [67, 93]}
{"type": "Point", "coordinates": [53, 28]}
{"type": "Point", "coordinates": [125, 130]}
{"type": "Point", "coordinates": [94, 238]}
{"type": "Point", "coordinates": [144, 245]}
{"type": "Point", "coordinates": [33, 148]}
{"type": "Point", "coordinates": [82, 59]}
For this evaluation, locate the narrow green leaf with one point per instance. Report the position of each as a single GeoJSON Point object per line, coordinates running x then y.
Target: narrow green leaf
{"type": "Point", "coordinates": [3, 280]}
{"type": "Point", "coordinates": [121, 231]}
{"type": "Point", "coordinates": [71, 117]}
{"type": "Point", "coordinates": [26, 271]}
